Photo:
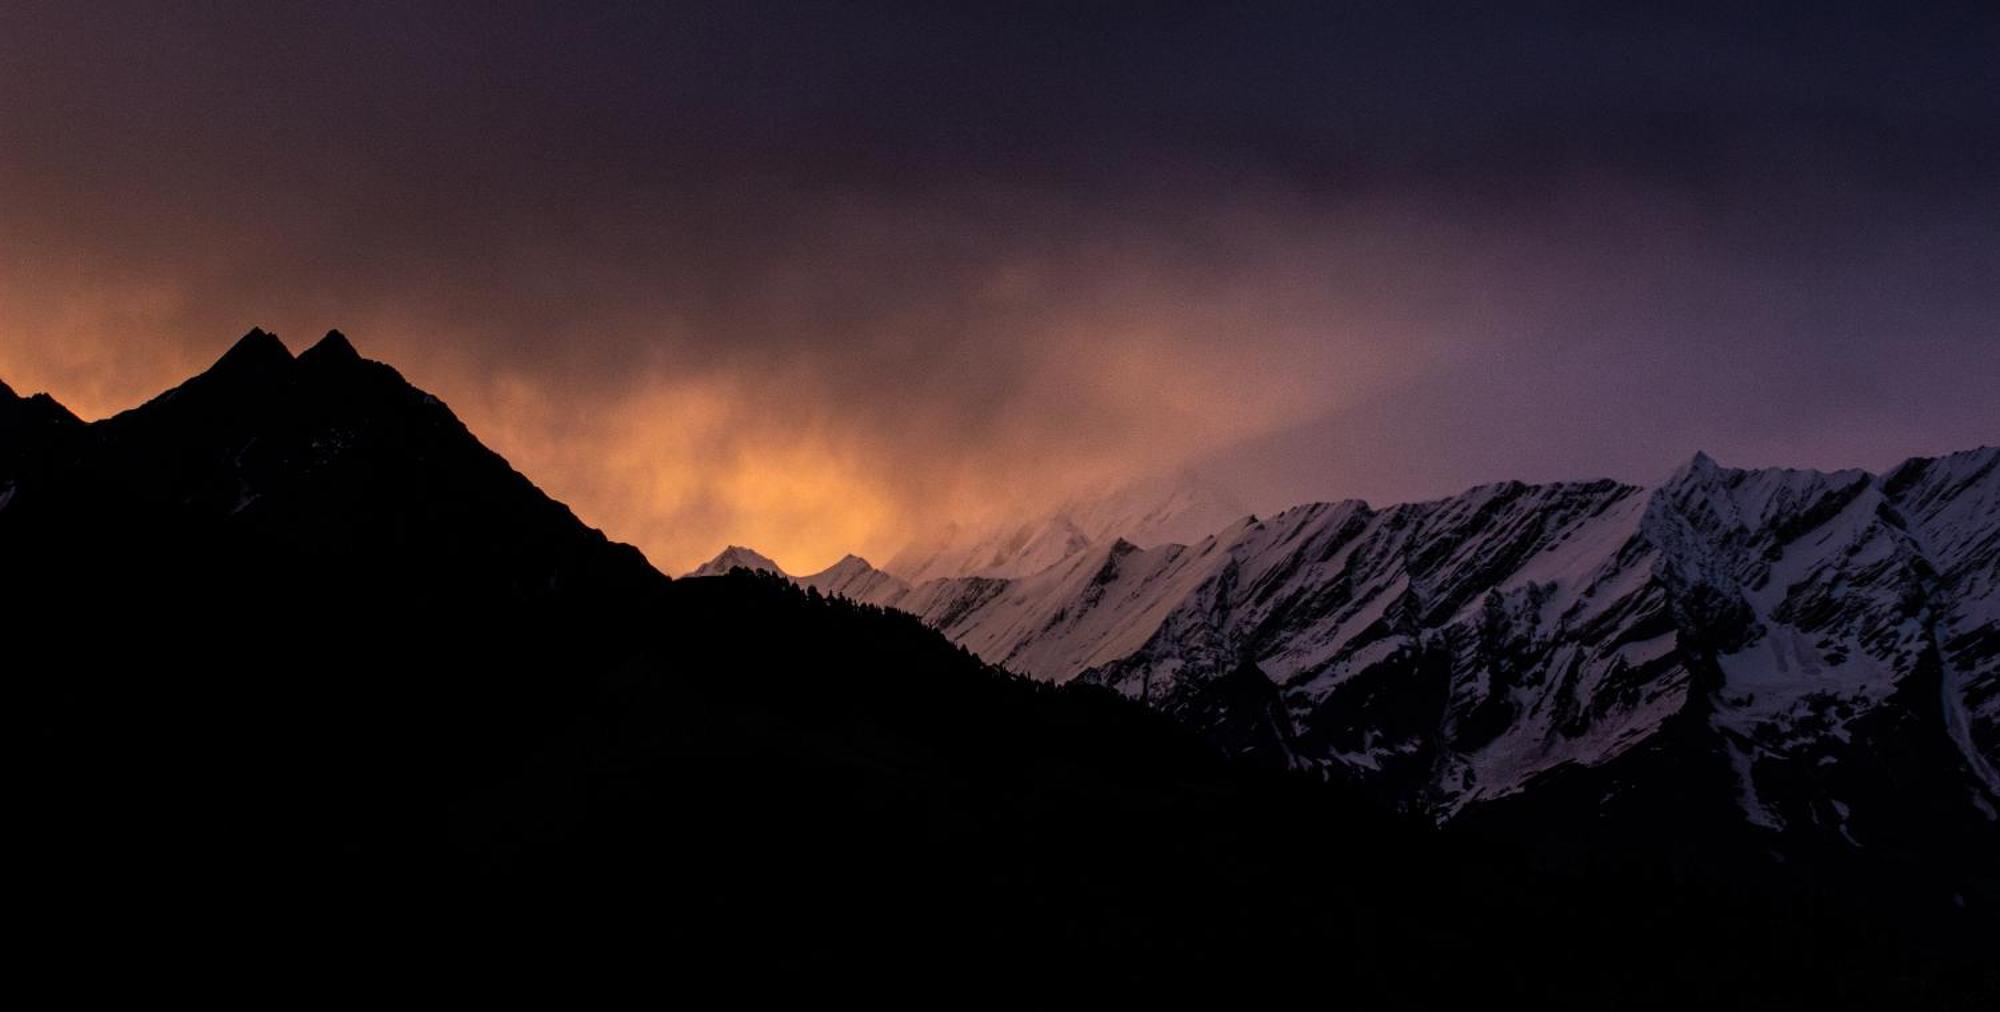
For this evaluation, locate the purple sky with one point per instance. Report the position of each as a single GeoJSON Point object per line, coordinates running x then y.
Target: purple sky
{"type": "Point", "coordinates": [807, 276]}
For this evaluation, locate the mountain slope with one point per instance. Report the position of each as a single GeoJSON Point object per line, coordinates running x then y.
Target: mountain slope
{"type": "Point", "coordinates": [299, 669]}
{"type": "Point", "coordinates": [295, 612]}
{"type": "Point", "coordinates": [1820, 647]}
{"type": "Point", "coordinates": [296, 580]}
{"type": "Point", "coordinates": [1948, 504]}
{"type": "Point", "coordinates": [852, 577]}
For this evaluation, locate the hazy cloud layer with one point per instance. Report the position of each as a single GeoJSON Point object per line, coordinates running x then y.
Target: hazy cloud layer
{"type": "Point", "coordinates": [805, 276]}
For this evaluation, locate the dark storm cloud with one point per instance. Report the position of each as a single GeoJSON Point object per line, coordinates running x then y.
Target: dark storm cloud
{"type": "Point", "coordinates": [803, 274]}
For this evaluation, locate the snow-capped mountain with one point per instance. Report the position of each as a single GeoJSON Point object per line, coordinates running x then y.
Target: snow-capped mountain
{"type": "Point", "coordinates": [1164, 510]}
{"type": "Point", "coordinates": [852, 577]}
{"type": "Point", "coordinates": [737, 557]}
{"type": "Point", "coordinates": [1813, 643]}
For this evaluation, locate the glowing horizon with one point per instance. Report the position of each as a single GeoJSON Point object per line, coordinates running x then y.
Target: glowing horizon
{"type": "Point", "coordinates": [814, 280]}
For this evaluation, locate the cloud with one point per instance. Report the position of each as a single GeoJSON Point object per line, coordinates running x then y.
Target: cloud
{"type": "Point", "coordinates": [812, 279]}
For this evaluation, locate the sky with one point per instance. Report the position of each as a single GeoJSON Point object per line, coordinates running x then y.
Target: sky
{"type": "Point", "coordinates": [815, 277]}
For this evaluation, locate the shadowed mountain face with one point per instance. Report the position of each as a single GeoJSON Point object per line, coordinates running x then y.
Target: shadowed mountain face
{"type": "Point", "coordinates": [288, 647]}
{"type": "Point", "coordinates": [1765, 660]}
{"type": "Point", "coordinates": [289, 600]}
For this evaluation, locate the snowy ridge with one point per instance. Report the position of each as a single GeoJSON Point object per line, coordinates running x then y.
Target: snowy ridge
{"type": "Point", "coordinates": [1783, 628]}
{"type": "Point", "coordinates": [1172, 510]}
{"type": "Point", "coordinates": [1949, 504]}
{"type": "Point", "coordinates": [852, 577]}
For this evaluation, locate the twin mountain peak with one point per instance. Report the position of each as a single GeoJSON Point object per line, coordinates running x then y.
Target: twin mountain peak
{"type": "Point", "coordinates": [1775, 632]}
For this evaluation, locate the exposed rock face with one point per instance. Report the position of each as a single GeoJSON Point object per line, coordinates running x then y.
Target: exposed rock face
{"type": "Point", "coordinates": [1814, 644]}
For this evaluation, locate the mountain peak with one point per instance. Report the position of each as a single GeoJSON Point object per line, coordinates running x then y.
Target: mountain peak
{"type": "Point", "coordinates": [334, 347]}
{"type": "Point", "coordinates": [252, 367]}
{"type": "Point", "coordinates": [19, 414]}
{"type": "Point", "coordinates": [1699, 466]}
{"type": "Point", "coordinates": [850, 567]}
{"type": "Point", "coordinates": [259, 349]}
{"type": "Point", "coordinates": [1973, 459]}
{"type": "Point", "coordinates": [49, 406]}
{"type": "Point", "coordinates": [737, 557]}
{"type": "Point", "coordinates": [856, 578]}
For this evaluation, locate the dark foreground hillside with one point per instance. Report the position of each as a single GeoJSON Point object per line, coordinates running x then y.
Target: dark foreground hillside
{"type": "Point", "coordinates": [309, 684]}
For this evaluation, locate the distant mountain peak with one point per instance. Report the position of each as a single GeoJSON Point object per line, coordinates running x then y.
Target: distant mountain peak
{"type": "Point", "coordinates": [737, 557]}
{"type": "Point", "coordinates": [854, 577]}
{"type": "Point", "coordinates": [1698, 467]}
{"type": "Point", "coordinates": [1179, 508]}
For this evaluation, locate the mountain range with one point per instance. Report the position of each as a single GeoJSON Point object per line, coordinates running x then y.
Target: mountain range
{"type": "Point", "coordinates": [306, 684]}
{"type": "Point", "coordinates": [1800, 657]}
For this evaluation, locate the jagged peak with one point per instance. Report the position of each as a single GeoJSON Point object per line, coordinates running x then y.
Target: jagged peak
{"type": "Point", "coordinates": [52, 406]}
{"type": "Point", "coordinates": [1977, 457]}
{"type": "Point", "coordinates": [1699, 465]}
{"type": "Point", "coordinates": [258, 349]}
{"type": "Point", "coordinates": [1700, 469]}
{"type": "Point", "coordinates": [854, 574]}
{"type": "Point", "coordinates": [1950, 470]}
{"type": "Point", "coordinates": [34, 406]}
{"type": "Point", "coordinates": [334, 347]}
{"type": "Point", "coordinates": [257, 361]}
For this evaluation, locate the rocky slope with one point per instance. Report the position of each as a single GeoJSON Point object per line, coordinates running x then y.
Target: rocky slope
{"type": "Point", "coordinates": [1822, 647]}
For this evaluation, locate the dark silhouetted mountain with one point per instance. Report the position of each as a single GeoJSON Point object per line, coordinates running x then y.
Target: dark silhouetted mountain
{"type": "Point", "coordinates": [303, 674]}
